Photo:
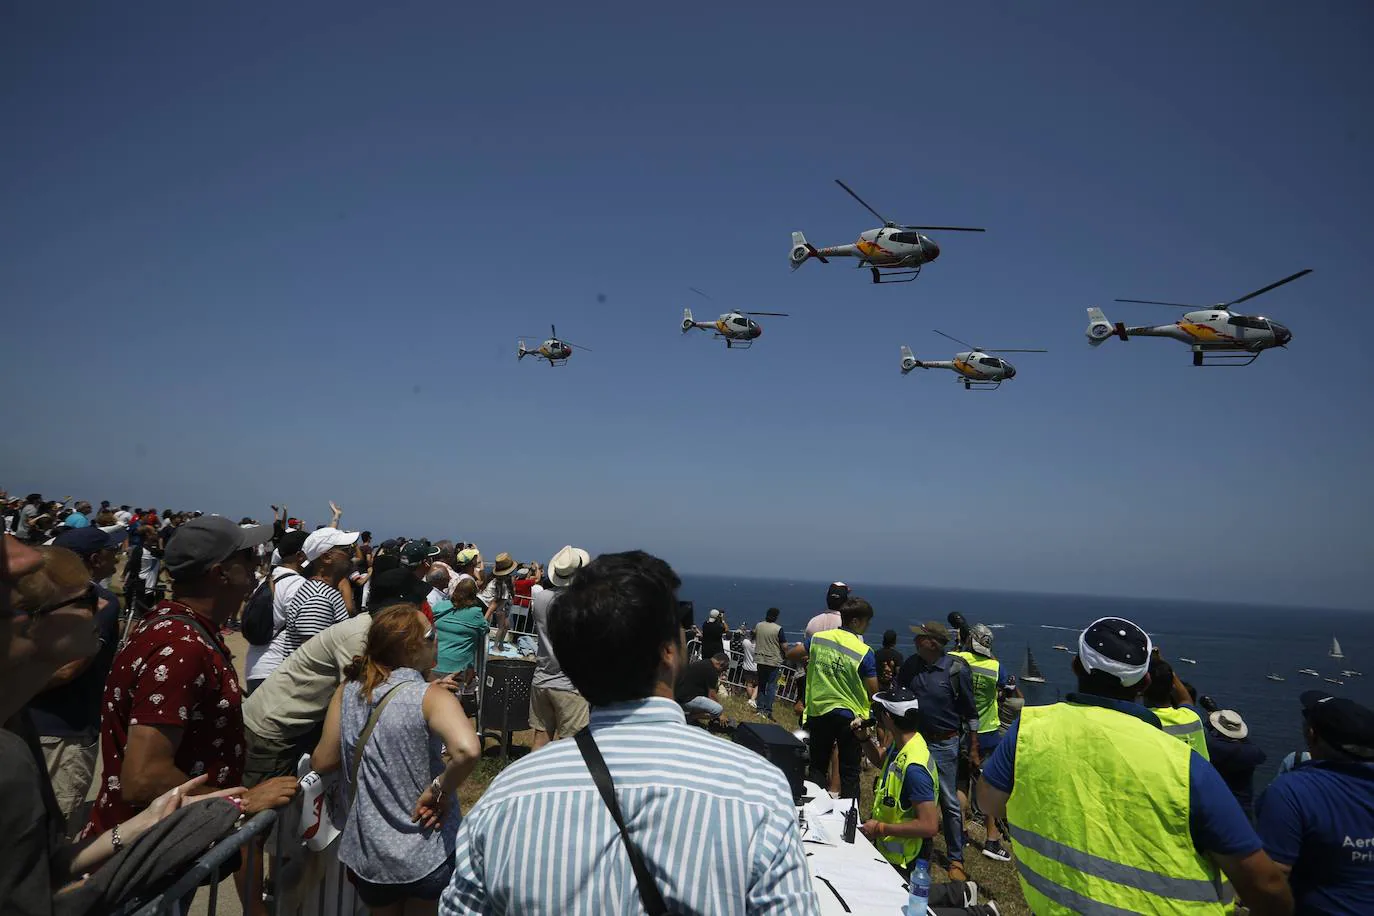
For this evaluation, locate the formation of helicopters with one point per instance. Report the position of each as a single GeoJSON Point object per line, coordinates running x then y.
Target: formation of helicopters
{"type": "Point", "coordinates": [1218, 335]}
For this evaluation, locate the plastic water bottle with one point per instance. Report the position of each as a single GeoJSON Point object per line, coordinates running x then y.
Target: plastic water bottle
{"type": "Point", "coordinates": [918, 904]}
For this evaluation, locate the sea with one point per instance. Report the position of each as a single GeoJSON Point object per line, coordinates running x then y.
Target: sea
{"type": "Point", "coordinates": [1234, 645]}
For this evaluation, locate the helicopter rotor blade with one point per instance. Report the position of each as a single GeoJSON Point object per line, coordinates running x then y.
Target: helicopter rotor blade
{"type": "Point", "coordinates": [699, 293]}
{"type": "Point", "coordinates": [850, 191]}
{"type": "Point", "coordinates": [1010, 350]}
{"type": "Point", "coordinates": [577, 346]}
{"type": "Point", "coordinates": [774, 314]}
{"type": "Point", "coordinates": [1245, 298]}
{"type": "Point", "coordinates": [947, 228]}
{"type": "Point", "coordinates": [955, 339]}
{"type": "Point", "coordinates": [1177, 305]}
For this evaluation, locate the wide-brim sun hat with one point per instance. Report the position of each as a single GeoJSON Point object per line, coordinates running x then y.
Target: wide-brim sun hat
{"type": "Point", "coordinates": [565, 564]}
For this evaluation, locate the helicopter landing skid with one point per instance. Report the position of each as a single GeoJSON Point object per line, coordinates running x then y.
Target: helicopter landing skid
{"type": "Point", "coordinates": [736, 344]}
{"type": "Point", "coordinates": [971, 385]}
{"type": "Point", "coordinates": [908, 275]}
{"type": "Point", "coordinates": [1222, 359]}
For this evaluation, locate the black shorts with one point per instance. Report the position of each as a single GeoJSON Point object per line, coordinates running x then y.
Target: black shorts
{"type": "Point", "coordinates": [427, 888]}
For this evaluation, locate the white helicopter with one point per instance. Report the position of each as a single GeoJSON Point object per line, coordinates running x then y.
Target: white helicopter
{"type": "Point", "coordinates": [899, 250]}
{"type": "Point", "coordinates": [737, 329]}
{"type": "Point", "coordinates": [554, 350]}
{"type": "Point", "coordinates": [1218, 335]}
{"type": "Point", "coordinates": [976, 367]}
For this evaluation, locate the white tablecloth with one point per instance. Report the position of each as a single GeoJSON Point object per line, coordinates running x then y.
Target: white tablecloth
{"type": "Point", "coordinates": [855, 871]}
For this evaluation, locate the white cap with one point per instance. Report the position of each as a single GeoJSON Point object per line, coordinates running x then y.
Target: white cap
{"type": "Point", "coordinates": [714, 613]}
{"type": "Point", "coordinates": [321, 539]}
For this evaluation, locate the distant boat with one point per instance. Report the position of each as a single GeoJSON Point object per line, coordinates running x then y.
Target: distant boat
{"type": "Point", "coordinates": [1031, 674]}
{"type": "Point", "coordinates": [1349, 673]}
{"type": "Point", "coordinates": [1062, 648]}
{"type": "Point", "coordinates": [1272, 677]}
{"type": "Point", "coordinates": [1332, 680]}
{"type": "Point", "coordinates": [1335, 649]}
{"type": "Point", "coordinates": [1309, 671]}
{"type": "Point", "coordinates": [1191, 661]}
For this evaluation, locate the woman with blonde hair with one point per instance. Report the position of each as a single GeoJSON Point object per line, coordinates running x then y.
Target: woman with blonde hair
{"type": "Point", "coordinates": [388, 728]}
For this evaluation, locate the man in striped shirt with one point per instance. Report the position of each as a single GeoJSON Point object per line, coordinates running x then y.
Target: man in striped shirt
{"type": "Point", "coordinates": [714, 822]}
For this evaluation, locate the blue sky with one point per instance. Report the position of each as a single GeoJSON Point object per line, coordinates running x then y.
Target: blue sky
{"type": "Point", "coordinates": [254, 255]}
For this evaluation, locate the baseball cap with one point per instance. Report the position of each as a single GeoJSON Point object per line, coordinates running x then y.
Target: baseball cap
{"type": "Point", "coordinates": [1117, 647]}
{"type": "Point", "coordinates": [205, 541]}
{"type": "Point", "coordinates": [980, 639]}
{"type": "Point", "coordinates": [393, 585]}
{"type": "Point", "coordinates": [467, 555]}
{"type": "Point", "coordinates": [1344, 724]}
{"type": "Point", "coordinates": [899, 701]}
{"type": "Point", "coordinates": [322, 539]}
{"type": "Point", "coordinates": [836, 595]}
{"type": "Point", "coordinates": [85, 541]}
{"type": "Point", "coordinates": [291, 542]}
{"type": "Point", "coordinates": [934, 629]}
{"type": "Point", "coordinates": [416, 552]}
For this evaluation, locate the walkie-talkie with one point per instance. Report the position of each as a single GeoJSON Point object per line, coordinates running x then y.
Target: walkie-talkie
{"type": "Point", "coordinates": [851, 822]}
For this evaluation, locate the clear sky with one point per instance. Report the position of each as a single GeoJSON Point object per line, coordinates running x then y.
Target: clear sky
{"type": "Point", "coordinates": [283, 253]}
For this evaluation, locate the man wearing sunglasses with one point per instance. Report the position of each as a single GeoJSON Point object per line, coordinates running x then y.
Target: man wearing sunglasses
{"type": "Point", "coordinates": [67, 712]}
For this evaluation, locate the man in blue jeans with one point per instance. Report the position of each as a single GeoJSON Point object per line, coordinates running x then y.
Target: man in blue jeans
{"type": "Point", "coordinates": [770, 644]}
{"type": "Point", "coordinates": [944, 688]}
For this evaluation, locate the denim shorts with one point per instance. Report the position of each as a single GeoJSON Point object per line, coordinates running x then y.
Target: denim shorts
{"type": "Point", "coordinates": [427, 888]}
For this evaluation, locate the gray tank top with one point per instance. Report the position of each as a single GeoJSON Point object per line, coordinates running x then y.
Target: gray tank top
{"type": "Point", "coordinates": [402, 757]}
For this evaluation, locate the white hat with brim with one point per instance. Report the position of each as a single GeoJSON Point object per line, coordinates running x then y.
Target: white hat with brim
{"type": "Point", "coordinates": [323, 539]}
{"type": "Point", "coordinates": [1229, 723]}
{"type": "Point", "coordinates": [565, 564]}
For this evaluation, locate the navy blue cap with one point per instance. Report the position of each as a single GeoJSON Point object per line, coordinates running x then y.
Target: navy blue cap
{"type": "Point", "coordinates": [1342, 723]}
{"type": "Point", "coordinates": [85, 541]}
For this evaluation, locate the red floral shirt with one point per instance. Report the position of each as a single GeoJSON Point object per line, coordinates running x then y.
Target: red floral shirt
{"type": "Point", "coordinates": [168, 674]}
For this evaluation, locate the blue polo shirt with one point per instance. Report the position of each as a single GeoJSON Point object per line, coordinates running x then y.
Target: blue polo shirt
{"type": "Point", "coordinates": [867, 668]}
{"type": "Point", "coordinates": [1319, 820]}
{"type": "Point", "coordinates": [943, 708]}
{"type": "Point", "coordinates": [1215, 820]}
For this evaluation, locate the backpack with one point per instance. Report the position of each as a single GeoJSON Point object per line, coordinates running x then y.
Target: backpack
{"type": "Point", "coordinates": [258, 624]}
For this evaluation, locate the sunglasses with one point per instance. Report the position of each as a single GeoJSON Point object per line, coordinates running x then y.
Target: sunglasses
{"type": "Point", "coordinates": [89, 599]}
{"type": "Point", "coordinates": [429, 635]}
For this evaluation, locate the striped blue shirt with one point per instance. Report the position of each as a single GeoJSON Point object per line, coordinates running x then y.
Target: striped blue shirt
{"type": "Point", "coordinates": [714, 821]}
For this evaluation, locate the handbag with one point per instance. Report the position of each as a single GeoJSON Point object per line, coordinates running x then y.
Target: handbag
{"type": "Point", "coordinates": [648, 889]}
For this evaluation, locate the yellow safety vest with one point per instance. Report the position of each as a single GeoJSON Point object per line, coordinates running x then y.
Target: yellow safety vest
{"type": "Point", "coordinates": [887, 800]}
{"type": "Point", "coordinates": [1184, 724]}
{"type": "Point", "coordinates": [985, 672]}
{"type": "Point", "coordinates": [1099, 817]}
{"type": "Point", "coordinates": [832, 674]}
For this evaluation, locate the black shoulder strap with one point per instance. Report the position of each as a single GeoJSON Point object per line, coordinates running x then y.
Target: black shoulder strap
{"type": "Point", "coordinates": [648, 890]}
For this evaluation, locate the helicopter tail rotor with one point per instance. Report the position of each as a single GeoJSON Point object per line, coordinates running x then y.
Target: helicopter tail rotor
{"type": "Point", "coordinates": [521, 353]}
{"type": "Point", "coordinates": [687, 321]}
{"type": "Point", "coordinates": [909, 360]}
{"type": "Point", "coordinates": [802, 251]}
{"type": "Point", "coordinates": [1099, 328]}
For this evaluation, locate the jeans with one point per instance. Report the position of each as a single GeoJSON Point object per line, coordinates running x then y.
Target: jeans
{"type": "Point", "coordinates": [946, 754]}
{"type": "Point", "coordinates": [826, 732]}
{"type": "Point", "coordinates": [702, 706]}
{"type": "Point", "coordinates": [768, 689]}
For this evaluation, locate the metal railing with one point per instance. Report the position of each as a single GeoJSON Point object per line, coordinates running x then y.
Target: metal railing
{"type": "Point", "coordinates": [734, 677]}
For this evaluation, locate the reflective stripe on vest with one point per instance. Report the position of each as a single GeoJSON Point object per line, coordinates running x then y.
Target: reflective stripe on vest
{"type": "Point", "coordinates": [1099, 815]}
{"type": "Point", "coordinates": [1184, 725]}
{"type": "Point", "coordinates": [832, 674]}
{"type": "Point", "coordinates": [887, 799]}
{"type": "Point", "coordinates": [985, 672]}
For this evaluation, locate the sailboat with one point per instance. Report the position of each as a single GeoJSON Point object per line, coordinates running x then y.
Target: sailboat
{"type": "Point", "coordinates": [1272, 677]}
{"type": "Point", "coordinates": [1335, 649]}
{"type": "Point", "coordinates": [1031, 674]}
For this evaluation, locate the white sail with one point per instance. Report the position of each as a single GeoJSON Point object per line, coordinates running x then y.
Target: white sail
{"type": "Point", "coordinates": [1336, 649]}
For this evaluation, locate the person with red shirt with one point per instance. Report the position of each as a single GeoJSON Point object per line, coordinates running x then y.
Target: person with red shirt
{"type": "Point", "coordinates": [172, 706]}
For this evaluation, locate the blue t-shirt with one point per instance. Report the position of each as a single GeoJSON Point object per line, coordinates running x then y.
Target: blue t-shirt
{"type": "Point", "coordinates": [1319, 820]}
{"type": "Point", "coordinates": [867, 668]}
{"type": "Point", "coordinates": [917, 786]}
{"type": "Point", "coordinates": [1215, 820]}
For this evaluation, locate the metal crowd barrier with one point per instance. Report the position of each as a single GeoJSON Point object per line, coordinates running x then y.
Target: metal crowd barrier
{"type": "Point", "coordinates": [734, 677]}
{"type": "Point", "coordinates": [298, 882]}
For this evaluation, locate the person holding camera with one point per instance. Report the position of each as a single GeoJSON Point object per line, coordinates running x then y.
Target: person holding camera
{"type": "Point", "coordinates": [841, 678]}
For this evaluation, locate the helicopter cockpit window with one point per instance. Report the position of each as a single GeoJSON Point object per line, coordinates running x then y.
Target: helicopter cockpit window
{"type": "Point", "coordinates": [1246, 321]}
{"type": "Point", "coordinates": [906, 238]}
{"type": "Point", "coordinates": [741, 321]}
{"type": "Point", "coordinates": [992, 361]}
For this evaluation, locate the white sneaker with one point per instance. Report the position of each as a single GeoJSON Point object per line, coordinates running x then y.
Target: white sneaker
{"type": "Point", "coordinates": [753, 705]}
